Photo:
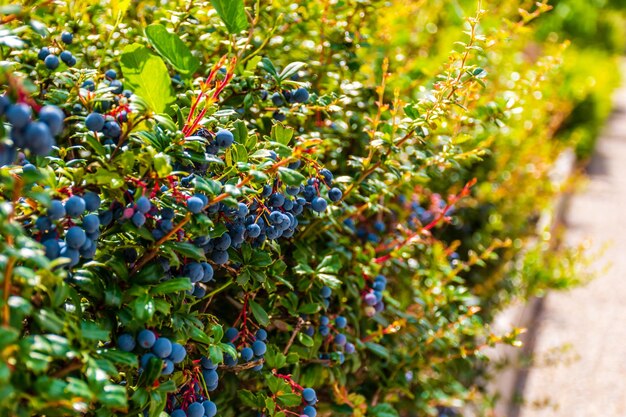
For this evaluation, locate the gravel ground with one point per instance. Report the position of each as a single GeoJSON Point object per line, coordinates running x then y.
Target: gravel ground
{"type": "Point", "coordinates": [579, 367]}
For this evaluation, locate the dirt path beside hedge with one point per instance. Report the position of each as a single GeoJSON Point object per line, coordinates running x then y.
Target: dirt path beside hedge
{"type": "Point", "coordinates": [579, 367]}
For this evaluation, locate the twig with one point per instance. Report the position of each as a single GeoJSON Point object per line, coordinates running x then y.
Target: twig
{"type": "Point", "coordinates": [293, 335]}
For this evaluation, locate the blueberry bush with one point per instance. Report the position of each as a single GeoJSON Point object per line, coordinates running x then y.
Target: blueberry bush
{"type": "Point", "coordinates": [248, 208]}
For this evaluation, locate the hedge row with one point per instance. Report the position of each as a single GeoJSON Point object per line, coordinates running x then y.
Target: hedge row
{"type": "Point", "coordinates": [276, 208]}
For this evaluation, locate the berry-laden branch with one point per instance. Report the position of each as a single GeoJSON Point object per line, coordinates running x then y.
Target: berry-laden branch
{"type": "Point", "coordinates": [397, 244]}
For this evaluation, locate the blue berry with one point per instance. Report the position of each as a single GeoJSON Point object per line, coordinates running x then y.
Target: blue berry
{"type": "Point", "coordinates": [210, 376]}
{"type": "Point", "coordinates": [277, 200]}
{"type": "Point", "coordinates": [126, 342]}
{"type": "Point", "coordinates": [67, 38]}
{"type": "Point", "coordinates": [19, 115]}
{"type": "Point", "coordinates": [75, 237]}
{"type": "Point", "coordinates": [43, 53]}
{"type": "Point", "coordinates": [94, 122]}
{"type": "Point", "coordinates": [71, 253]}
{"type": "Point", "coordinates": [326, 292]}
{"type": "Point", "coordinates": [162, 347]}
{"type": "Point", "coordinates": [341, 322]}
{"type": "Point", "coordinates": [194, 271]}
{"type": "Point", "coordinates": [168, 367]}
{"type": "Point", "coordinates": [195, 205]}
{"type": "Point", "coordinates": [324, 330]}
{"type": "Point", "coordinates": [43, 223]}
{"type": "Point", "coordinates": [261, 334]}
{"type": "Point", "coordinates": [178, 413]}
{"type": "Point", "coordinates": [53, 117]}
{"type": "Point", "coordinates": [279, 116]}
{"type": "Point", "coordinates": [52, 62]}
{"type": "Point", "coordinates": [111, 74]}
{"type": "Point", "coordinates": [112, 129]}
{"type": "Point", "coordinates": [220, 257]}
{"type": "Point", "coordinates": [309, 395]}
{"type": "Point", "coordinates": [195, 410]}
{"type": "Point", "coordinates": [117, 87]}
{"type": "Point", "coordinates": [53, 249]}
{"type": "Point", "coordinates": [89, 85]}
{"type": "Point", "coordinates": [208, 272]}
{"type": "Point", "coordinates": [247, 354]}
{"type": "Point", "coordinates": [38, 139]}
{"type": "Point", "coordinates": [92, 201]}
{"type": "Point", "coordinates": [334, 194]}
{"type": "Point", "coordinates": [138, 219]}
{"type": "Point", "coordinates": [66, 57]}
{"type": "Point", "coordinates": [178, 353]}
{"type": "Point", "coordinates": [259, 348]}
{"type": "Point", "coordinates": [253, 230]}
{"type": "Point", "coordinates": [210, 409]}
{"type": "Point", "coordinates": [277, 99]}
{"type": "Point", "coordinates": [198, 291]}
{"type": "Point", "coordinates": [350, 349]}
{"type": "Point", "coordinates": [207, 364]}
{"type": "Point", "coordinates": [224, 138]}
{"type": "Point", "coordinates": [301, 95]}
{"type": "Point", "coordinates": [231, 334]}
{"type": "Point", "coordinates": [143, 204]}
{"type": "Point", "coordinates": [340, 339]}
{"type": "Point", "coordinates": [319, 204]}
{"type": "Point", "coordinates": [309, 411]}
{"type": "Point", "coordinates": [91, 223]}
{"type": "Point", "coordinates": [324, 321]}
{"type": "Point", "coordinates": [146, 338]}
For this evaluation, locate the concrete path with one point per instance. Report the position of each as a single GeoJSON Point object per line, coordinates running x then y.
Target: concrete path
{"type": "Point", "coordinates": [579, 367]}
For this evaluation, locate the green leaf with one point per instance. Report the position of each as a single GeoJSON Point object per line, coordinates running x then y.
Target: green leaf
{"type": "Point", "coordinates": [199, 336]}
{"type": "Point", "coordinates": [290, 69]}
{"type": "Point", "coordinates": [146, 74]}
{"type": "Point", "coordinates": [186, 249]}
{"type": "Point", "coordinates": [281, 134]}
{"type": "Point", "coordinates": [172, 286]}
{"type": "Point", "coordinates": [113, 396]}
{"type": "Point", "coordinates": [232, 13]}
{"type": "Point", "coordinates": [378, 349]}
{"type": "Point", "coordinates": [248, 399]}
{"type": "Point", "coordinates": [290, 176]}
{"type": "Point", "coordinates": [289, 399]}
{"type": "Point", "coordinates": [383, 410]}
{"type": "Point", "coordinates": [305, 339]}
{"type": "Point", "coordinates": [172, 48]}
{"type": "Point", "coordinates": [151, 372]}
{"type": "Point", "coordinates": [259, 313]}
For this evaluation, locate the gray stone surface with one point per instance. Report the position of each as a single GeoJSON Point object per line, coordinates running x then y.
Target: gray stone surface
{"type": "Point", "coordinates": [579, 367]}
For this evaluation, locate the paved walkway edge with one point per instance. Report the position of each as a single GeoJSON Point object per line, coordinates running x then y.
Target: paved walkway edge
{"type": "Point", "coordinates": [509, 382]}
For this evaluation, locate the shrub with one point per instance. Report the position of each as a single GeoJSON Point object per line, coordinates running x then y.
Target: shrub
{"type": "Point", "coordinates": [274, 209]}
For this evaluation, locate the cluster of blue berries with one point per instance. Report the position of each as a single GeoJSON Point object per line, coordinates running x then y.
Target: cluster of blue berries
{"type": "Point", "coordinates": [373, 298]}
{"type": "Point", "coordinates": [221, 139]}
{"type": "Point", "coordinates": [160, 347]}
{"type": "Point", "coordinates": [201, 408]}
{"type": "Point", "coordinates": [36, 136]}
{"type": "Point", "coordinates": [272, 215]}
{"type": "Point", "coordinates": [110, 128]}
{"type": "Point", "coordinates": [309, 396]}
{"type": "Point", "coordinates": [279, 99]}
{"type": "Point", "coordinates": [80, 240]}
{"type": "Point", "coordinates": [52, 60]}
{"type": "Point", "coordinates": [253, 348]}
{"type": "Point", "coordinates": [198, 273]}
